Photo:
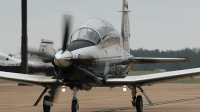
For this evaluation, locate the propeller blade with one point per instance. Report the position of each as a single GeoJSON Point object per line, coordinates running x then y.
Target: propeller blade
{"type": "Point", "coordinates": [66, 33]}
{"type": "Point", "coordinates": [46, 58]}
{"type": "Point", "coordinates": [54, 89]}
{"type": "Point", "coordinates": [40, 54]}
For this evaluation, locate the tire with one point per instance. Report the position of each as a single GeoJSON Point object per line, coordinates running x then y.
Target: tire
{"type": "Point", "coordinates": [46, 108]}
{"type": "Point", "coordinates": [75, 106]}
{"type": "Point", "coordinates": [139, 104]}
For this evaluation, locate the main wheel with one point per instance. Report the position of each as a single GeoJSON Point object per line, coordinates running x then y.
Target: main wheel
{"type": "Point", "coordinates": [46, 108]}
{"type": "Point", "coordinates": [139, 104]}
{"type": "Point", "coordinates": [75, 106]}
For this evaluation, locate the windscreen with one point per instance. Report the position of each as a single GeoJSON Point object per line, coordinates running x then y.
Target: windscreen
{"type": "Point", "coordinates": [86, 34]}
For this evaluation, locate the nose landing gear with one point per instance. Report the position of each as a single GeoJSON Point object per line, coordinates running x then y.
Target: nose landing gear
{"type": "Point", "coordinates": [75, 104]}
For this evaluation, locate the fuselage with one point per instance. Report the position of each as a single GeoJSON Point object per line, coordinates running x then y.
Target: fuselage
{"type": "Point", "coordinates": [106, 54]}
{"type": "Point", "coordinates": [103, 43]}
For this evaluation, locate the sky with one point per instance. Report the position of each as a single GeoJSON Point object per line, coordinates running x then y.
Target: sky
{"type": "Point", "coordinates": [154, 24]}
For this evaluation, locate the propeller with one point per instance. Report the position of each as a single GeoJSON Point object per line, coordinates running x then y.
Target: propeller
{"type": "Point", "coordinates": [66, 33]}
{"type": "Point", "coordinates": [58, 59]}
{"type": "Point", "coordinates": [63, 58]}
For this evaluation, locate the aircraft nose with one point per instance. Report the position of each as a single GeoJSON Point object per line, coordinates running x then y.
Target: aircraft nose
{"type": "Point", "coordinates": [62, 59]}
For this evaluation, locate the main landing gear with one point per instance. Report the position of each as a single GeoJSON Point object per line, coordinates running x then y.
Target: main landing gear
{"type": "Point", "coordinates": [47, 103]}
{"type": "Point", "coordinates": [138, 101]}
{"type": "Point", "coordinates": [48, 100]}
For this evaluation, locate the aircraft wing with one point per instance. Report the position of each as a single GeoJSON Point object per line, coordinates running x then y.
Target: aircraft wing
{"type": "Point", "coordinates": [149, 79]}
{"type": "Point", "coordinates": [31, 79]}
{"type": "Point", "coordinates": [143, 60]}
{"type": "Point", "coordinates": [112, 81]}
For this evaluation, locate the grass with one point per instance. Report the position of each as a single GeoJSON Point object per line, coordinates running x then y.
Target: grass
{"type": "Point", "coordinates": [187, 81]}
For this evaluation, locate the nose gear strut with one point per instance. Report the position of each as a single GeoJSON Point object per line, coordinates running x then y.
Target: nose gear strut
{"type": "Point", "coordinates": [75, 103]}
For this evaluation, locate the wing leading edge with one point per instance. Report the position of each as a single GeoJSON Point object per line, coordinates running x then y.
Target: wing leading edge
{"type": "Point", "coordinates": [141, 80]}
{"type": "Point", "coordinates": [32, 79]}
{"type": "Point", "coordinates": [149, 79]}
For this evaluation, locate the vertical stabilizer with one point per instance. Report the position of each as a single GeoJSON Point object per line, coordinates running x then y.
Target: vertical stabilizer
{"type": "Point", "coordinates": [46, 46]}
{"type": "Point", "coordinates": [125, 26]}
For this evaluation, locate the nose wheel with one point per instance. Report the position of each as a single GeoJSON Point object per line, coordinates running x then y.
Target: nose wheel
{"type": "Point", "coordinates": [75, 104]}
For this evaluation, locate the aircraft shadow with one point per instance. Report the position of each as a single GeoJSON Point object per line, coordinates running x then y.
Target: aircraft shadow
{"type": "Point", "coordinates": [154, 104]}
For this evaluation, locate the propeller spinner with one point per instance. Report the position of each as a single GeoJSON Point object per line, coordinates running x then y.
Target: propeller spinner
{"type": "Point", "coordinates": [63, 58]}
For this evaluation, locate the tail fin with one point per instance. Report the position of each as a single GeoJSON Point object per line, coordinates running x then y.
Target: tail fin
{"type": "Point", "coordinates": [46, 46]}
{"type": "Point", "coordinates": [125, 26]}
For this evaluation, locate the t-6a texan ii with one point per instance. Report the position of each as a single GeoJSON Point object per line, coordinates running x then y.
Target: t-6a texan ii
{"type": "Point", "coordinates": [35, 64]}
{"type": "Point", "coordinates": [97, 56]}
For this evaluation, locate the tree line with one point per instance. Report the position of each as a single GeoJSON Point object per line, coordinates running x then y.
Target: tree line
{"type": "Point", "coordinates": [192, 54]}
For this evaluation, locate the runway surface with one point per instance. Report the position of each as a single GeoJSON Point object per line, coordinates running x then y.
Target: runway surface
{"type": "Point", "coordinates": [165, 97]}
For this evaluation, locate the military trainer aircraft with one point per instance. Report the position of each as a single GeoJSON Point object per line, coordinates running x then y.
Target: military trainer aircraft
{"type": "Point", "coordinates": [35, 63]}
{"type": "Point", "coordinates": [97, 56]}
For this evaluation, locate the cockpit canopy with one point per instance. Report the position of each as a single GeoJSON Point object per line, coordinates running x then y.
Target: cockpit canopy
{"type": "Point", "coordinates": [94, 30]}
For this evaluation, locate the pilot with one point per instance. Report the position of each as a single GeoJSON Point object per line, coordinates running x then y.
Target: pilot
{"type": "Point", "coordinates": [90, 35]}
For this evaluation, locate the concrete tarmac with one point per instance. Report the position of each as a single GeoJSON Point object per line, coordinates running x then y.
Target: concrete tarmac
{"type": "Point", "coordinates": [165, 97]}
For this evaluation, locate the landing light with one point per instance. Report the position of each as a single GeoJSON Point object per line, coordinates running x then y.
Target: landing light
{"type": "Point", "coordinates": [124, 89]}
{"type": "Point", "coordinates": [63, 89]}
